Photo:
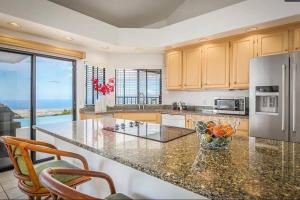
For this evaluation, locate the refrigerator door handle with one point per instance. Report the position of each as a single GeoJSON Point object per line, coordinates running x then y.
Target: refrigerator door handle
{"type": "Point", "coordinates": [294, 98]}
{"type": "Point", "coordinates": [283, 98]}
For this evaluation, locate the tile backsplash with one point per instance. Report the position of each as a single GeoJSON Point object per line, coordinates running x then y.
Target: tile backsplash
{"type": "Point", "coordinates": [200, 98]}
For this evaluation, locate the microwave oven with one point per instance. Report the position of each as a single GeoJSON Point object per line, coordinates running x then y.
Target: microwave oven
{"type": "Point", "coordinates": [231, 105]}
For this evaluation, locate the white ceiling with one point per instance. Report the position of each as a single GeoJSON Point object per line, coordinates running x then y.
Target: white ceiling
{"type": "Point", "coordinates": [144, 13]}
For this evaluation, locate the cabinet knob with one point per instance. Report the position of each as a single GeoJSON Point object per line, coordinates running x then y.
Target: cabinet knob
{"type": "Point", "coordinates": [234, 82]}
{"type": "Point", "coordinates": [297, 48]}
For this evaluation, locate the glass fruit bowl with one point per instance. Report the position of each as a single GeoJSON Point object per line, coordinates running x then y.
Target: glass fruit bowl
{"type": "Point", "coordinates": [216, 134]}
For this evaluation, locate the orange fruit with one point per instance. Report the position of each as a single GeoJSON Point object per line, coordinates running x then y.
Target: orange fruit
{"type": "Point", "coordinates": [218, 131]}
{"type": "Point", "coordinates": [210, 124]}
{"type": "Point", "coordinates": [229, 131]}
{"type": "Point", "coordinates": [210, 129]}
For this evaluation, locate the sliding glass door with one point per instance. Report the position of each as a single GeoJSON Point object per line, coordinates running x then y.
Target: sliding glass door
{"type": "Point", "coordinates": [54, 93]}
{"type": "Point", "coordinates": [15, 98]}
{"type": "Point", "coordinates": [34, 90]}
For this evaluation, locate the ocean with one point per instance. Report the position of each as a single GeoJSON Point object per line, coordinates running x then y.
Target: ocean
{"type": "Point", "coordinates": [25, 122]}
{"type": "Point", "coordinates": [40, 104]}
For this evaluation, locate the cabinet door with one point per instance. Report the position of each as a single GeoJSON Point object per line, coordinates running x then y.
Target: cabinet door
{"type": "Point", "coordinates": [272, 43]}
{"type": "Point", "coordinates": [241, 52]}
{"type": "Point", "coordinates": [188, 121]}
{"type": "Point", "coordinates": [174, 70]}
{"type": "Point", "coordinates": [215, 65]}
{"type": "Point", "coordinates": [296, 41]}
{"type": "Point", "coordinates": [192, 68]}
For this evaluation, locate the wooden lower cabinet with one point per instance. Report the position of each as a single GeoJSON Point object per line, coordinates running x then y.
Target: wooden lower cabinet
{"type": "Point", "coordinates": [84, 116]}
{"type": "Point", "coordinates": [154, 117]}
{"type": "Point", "coordinates": [242, 129]}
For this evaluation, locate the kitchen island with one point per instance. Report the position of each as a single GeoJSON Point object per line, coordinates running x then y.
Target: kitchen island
{"type": "Point", "coordinates": [251, 168]}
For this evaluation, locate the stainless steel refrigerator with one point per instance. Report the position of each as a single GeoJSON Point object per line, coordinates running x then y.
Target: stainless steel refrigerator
{"type": "Point", "coordinates": [274, 94]}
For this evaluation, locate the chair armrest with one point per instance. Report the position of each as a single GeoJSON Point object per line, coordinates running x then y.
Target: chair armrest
{"type": "Point", "coordinates": [80, 172]}
{"type": "Point", "coordinates": [56, 152]}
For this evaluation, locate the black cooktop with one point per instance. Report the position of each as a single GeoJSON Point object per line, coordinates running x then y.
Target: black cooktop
{"type": "Point", "coordinates": [151, 131]}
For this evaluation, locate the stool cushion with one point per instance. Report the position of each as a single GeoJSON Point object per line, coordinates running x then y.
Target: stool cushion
{"type": "Point", "coordinates": [56, 163]}
{"type": "Point", "coordinates": [117, 196]}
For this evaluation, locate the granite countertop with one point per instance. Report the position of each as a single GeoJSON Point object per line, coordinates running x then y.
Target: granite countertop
{"type": "Point", "coordinates": [163, 109]}
{"type": "Point", "coordinates": [251, 168]}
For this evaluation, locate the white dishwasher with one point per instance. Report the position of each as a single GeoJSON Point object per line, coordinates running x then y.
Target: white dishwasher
{"type": "Point", "coordinates": [173, 120]}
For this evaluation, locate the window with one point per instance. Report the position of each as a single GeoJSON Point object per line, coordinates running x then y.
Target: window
{"type": "Point", "coordinates": [91, 73]}
{"type": "Point", "coordinates": [131, 84]}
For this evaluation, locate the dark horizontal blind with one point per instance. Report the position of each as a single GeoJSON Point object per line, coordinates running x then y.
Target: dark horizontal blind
{"type": "Point", "coordinates": [91, 73]}
{"type": "Point", "coordinates": [131, 82]}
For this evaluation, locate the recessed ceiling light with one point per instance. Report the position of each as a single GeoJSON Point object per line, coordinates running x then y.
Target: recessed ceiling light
{"type": "Point", "coordinates": [14, 24]}
{"type": "Point", "coordinates": [69, 38]}
{"type": "Point", "coordinates": [251, 29]}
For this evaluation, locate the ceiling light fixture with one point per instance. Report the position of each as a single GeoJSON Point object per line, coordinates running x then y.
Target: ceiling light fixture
{"type": "Point", "coordinates": [251, 29]}
{"type": "Point", "coordinates": [14, 24]}
{"type": "Point", "coordinates": [69, 38]}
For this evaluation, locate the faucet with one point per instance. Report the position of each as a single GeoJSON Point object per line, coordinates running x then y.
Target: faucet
{"type": "Point", "coordinates": [141, 95]}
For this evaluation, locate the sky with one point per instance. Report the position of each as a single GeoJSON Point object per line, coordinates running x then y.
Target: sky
{"type": "Point", "coordinates": [53, 80]}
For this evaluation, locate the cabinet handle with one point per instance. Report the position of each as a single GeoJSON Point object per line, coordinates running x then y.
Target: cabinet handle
{"type": "Point", "coordinates": [294, 98]}
{"type": "Point", "coordinates": [283, 99]}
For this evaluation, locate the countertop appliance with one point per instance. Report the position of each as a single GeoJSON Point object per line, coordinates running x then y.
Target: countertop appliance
{"type": "Point", "coordinates": [275, 97]}
{"type": "Point", "coordinates": [157, 132]}
{"type": "Point", "coordinates": [231, 105]}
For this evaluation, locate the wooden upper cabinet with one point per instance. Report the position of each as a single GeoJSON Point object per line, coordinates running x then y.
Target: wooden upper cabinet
{"type": "Point", "coordinates": [215, 65]}
{"type": "Point", "coordinates": [174, 69]}
{"type": "Point", "coordinates": [296, 40]}
{"type": "Point", "coordinates": [241, 51]}
{"type": "Point", "coordinates": [192, 68]}
{"type": "Point", "coordinates": [272, 43]}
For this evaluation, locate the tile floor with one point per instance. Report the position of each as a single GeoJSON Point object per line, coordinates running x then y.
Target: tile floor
{"type": "Point", "coordinates": [9, 187]}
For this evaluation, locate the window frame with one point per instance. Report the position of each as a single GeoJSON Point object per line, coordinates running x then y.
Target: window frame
{"type": "Point", "coordinates": [94, 93]}
{"type": "Point", "coordinates": [138, 86]}
{"type": "Point", "coordinates": [33, 109]}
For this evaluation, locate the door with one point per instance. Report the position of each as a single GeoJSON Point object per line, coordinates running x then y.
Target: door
{"type": "Point", "coordinates": [15, 99]}
{"type": "Point", "coordinates": [295, 97]}
{"type": "Point", "coordinates": [216, 65]}
{"type": "Point", "coordinates": [269, 97]}
{"type": "Point", "coordinates": [192, 68]}
{"type": "Point", "coordinates": [241, 52]}
{"type": "Point", "coordinates": [55, 98]}
{"type": "Point", "coordinates": [174, 70]}
{"type": "Point", "coordinates": [272, 43]}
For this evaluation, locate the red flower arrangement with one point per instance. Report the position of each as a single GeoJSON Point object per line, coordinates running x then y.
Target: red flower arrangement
{"type": "Point", "coordinates": [105, 88]}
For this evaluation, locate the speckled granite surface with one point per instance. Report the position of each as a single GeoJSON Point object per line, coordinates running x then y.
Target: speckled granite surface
{"type": "Point", "coordinates": [251, 169]}
{"type": "Point", "coordinates": [163, 109]}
